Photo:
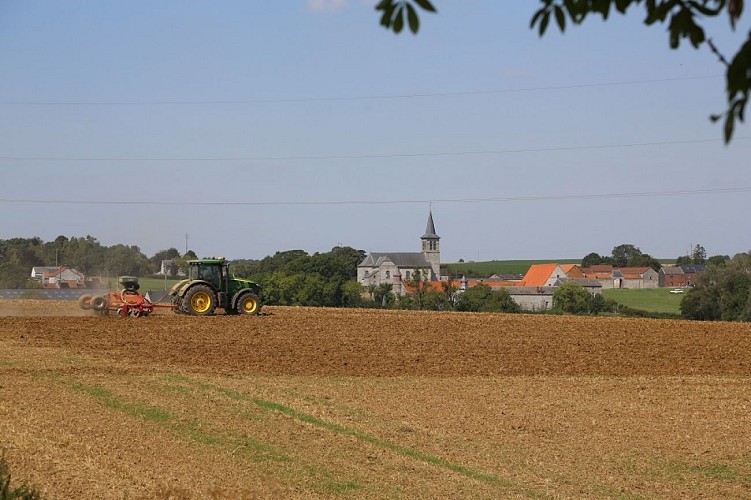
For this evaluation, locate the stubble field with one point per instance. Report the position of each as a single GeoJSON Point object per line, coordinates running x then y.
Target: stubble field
{"type": "Point", "coordinates": [373, 404]}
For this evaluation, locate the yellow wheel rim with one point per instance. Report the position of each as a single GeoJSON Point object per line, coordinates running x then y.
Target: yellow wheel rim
{"type": "Point", "coordinates": [249, 305]}
{"type": "Point", "coordinates": [200, 302]}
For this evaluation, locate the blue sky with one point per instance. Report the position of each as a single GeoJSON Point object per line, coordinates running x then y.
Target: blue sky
{"type": "Point", "coordinates": [263, 126]}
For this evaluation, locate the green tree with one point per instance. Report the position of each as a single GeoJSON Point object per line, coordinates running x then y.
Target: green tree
{"type": "Point", "coordinates": [481, 298]}
{"type": "Point", "coordinates": [718, 260]}
{"type": "Point", "coordinates": [644, 260]}
{"type": "Point", "coordinates": [128, 260]}
{"type": "Point", "coordinates": [449, 293]}
{"type": "Point", "coordinates": [436, 301]}
{"type": "Point", "coordinates": [169, 254]}
{"type": "Point", "coordinates": [85, 254]}
{"type": "Point", "coordinates": [352, 291]}
{"type": "Point", "coordinates": [593, 259]}
{"type": "Point", "coordinates": [572, 298]}
{"type": "Point", "coordinates": [382, 294]}
{"type": "Point", "coordinates": [682, 17]}
{"type": "Point", "coordinates": [596, 303]}
{"type": "Point", "coordinates": [698, 255]}
{"type": "Point", "coordinates": [723, 292]}
{"type": "Point", "coordinates": [13, 275]}
{"type": "Point", "coordinates": [624, 254]}
{"type": "Point", "coordinates": [418, 289]}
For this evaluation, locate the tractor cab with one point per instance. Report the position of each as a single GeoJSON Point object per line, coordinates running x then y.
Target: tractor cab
{"type": "Point", "coordinates": [213, 271]}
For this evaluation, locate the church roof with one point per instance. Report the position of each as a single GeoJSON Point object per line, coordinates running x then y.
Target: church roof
{"type": "Point", "coordinates": [430, 228]}
{"type": "Point", "coordinates": [399, 259]}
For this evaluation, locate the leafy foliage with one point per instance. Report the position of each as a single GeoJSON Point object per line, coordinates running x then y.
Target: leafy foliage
{"type": "Point", "coordinates": [683, 19]}
{"type": "Point", "coordinates": [482, 298]}
{"type": "Point", "coordinates": [698, 256]}
{"type": "Point", "coordinates": [394, 13]}
{"type": "Point", "coordinates": [85, 254]}
{"type": "Point", "coordinates": [723, 292]}
{"type": "Point", "coordinates": [295, 278]}
{"type": "Point", "coordinates": [624, 255]}
{"type": "Point", "coordinates": [571, 298]}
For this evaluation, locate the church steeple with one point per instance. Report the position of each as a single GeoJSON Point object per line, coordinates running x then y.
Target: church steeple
{"type": "Point", "coordinates": [431, 247]}
{"type": "Point", "coordinates": [430, 228]}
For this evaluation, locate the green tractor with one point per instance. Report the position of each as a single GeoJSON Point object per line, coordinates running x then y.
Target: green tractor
{"type": "Point", "coordinates": [210, 285]}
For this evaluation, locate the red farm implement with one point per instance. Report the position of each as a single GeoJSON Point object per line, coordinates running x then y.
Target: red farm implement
{"type": "Point", "coordinates": [125, 302]}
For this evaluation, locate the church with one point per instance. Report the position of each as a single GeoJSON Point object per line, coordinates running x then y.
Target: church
{"type": "Point", "coordinates": [393, 267]}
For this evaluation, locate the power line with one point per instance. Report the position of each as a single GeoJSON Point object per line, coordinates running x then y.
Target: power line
{"type": "Point", "coordinates": [643, 194]}
{"type": "Point", "coordinates": [365, 156]}
{"type": "Point", "coordinates": [353, 98]}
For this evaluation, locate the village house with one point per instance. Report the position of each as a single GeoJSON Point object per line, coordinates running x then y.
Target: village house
{"type": "Point", "coordinates": [636, 277]}
{"type": "Point", "coordinates": [679, 276]}
{"type": "Point", "coordinates": [592, 286]}
{"type": "Point", "coordinates": [622, 277]}
{"type": "Point", "coordinates": [38, 272]}
{"type": "Point", "coordinates": [394, 267]}
{"type": "Point", "coordinates": [58, 277]}
{"type": "Point", "coordinates": [532, 298]}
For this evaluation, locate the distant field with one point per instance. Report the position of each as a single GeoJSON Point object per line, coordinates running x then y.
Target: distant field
{"type": "Point", "coordinates": [155, 283]}
{"type": "Point", "coordinates": [146, 284]}
{"type": "Point", "coordinates": [647, 299]}
{"type": "Point", "coordinates": [500, 266]}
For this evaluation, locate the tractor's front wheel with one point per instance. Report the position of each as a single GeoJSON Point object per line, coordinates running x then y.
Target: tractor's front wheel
{"type": "Point", "coordinates": [199, 301]}
{"type": "Point", "coordinates": [248, 303]}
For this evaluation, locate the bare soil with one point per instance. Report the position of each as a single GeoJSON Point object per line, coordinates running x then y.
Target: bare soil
{"type": "Point", "coordinates": [304, 402]}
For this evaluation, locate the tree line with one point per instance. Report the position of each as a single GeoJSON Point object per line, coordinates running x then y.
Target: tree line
{"type": "Point", "coordinates": [85, 254]}
{"type": "Point", "coordinates": [296, 278]}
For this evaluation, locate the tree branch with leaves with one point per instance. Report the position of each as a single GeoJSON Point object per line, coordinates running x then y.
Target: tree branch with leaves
{"type": "Point", "coordinates": [683, 19]}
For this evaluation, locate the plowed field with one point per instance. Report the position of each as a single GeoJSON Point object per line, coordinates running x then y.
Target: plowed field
{"type": "Point", "coordinates": [373, 404]}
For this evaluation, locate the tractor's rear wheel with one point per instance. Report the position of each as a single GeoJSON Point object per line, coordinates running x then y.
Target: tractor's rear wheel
{"type": "Point", "coordinates": [200, 300]}
{"type": "Point", "coordinates": [84, 302]}
{"type": "Point", "coordinates": [248, 303]}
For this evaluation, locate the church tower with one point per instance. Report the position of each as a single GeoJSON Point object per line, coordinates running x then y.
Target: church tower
{"type": "Point", "coordinates": [431, 248]}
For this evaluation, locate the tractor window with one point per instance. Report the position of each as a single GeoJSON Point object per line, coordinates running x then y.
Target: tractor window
{"type": "Point", "coordinates": [209, 273]}
{"type": "Point", "coordinates": [193, 272]}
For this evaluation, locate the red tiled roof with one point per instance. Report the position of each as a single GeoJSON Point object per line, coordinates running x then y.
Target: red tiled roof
{"type": "Point", "coordinates": [538, 274]}
{"type": "Point", "coordinates": [633, 273]}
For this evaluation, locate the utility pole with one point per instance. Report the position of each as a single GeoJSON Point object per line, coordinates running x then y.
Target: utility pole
{"type": "Point", "coordinates": [186, 243]}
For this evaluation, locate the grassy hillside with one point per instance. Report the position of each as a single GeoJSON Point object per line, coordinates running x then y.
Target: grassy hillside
{"type": "Point", "coordinates": [484, 269]}
{"type": "Point", "coordinates": [647, 299]}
